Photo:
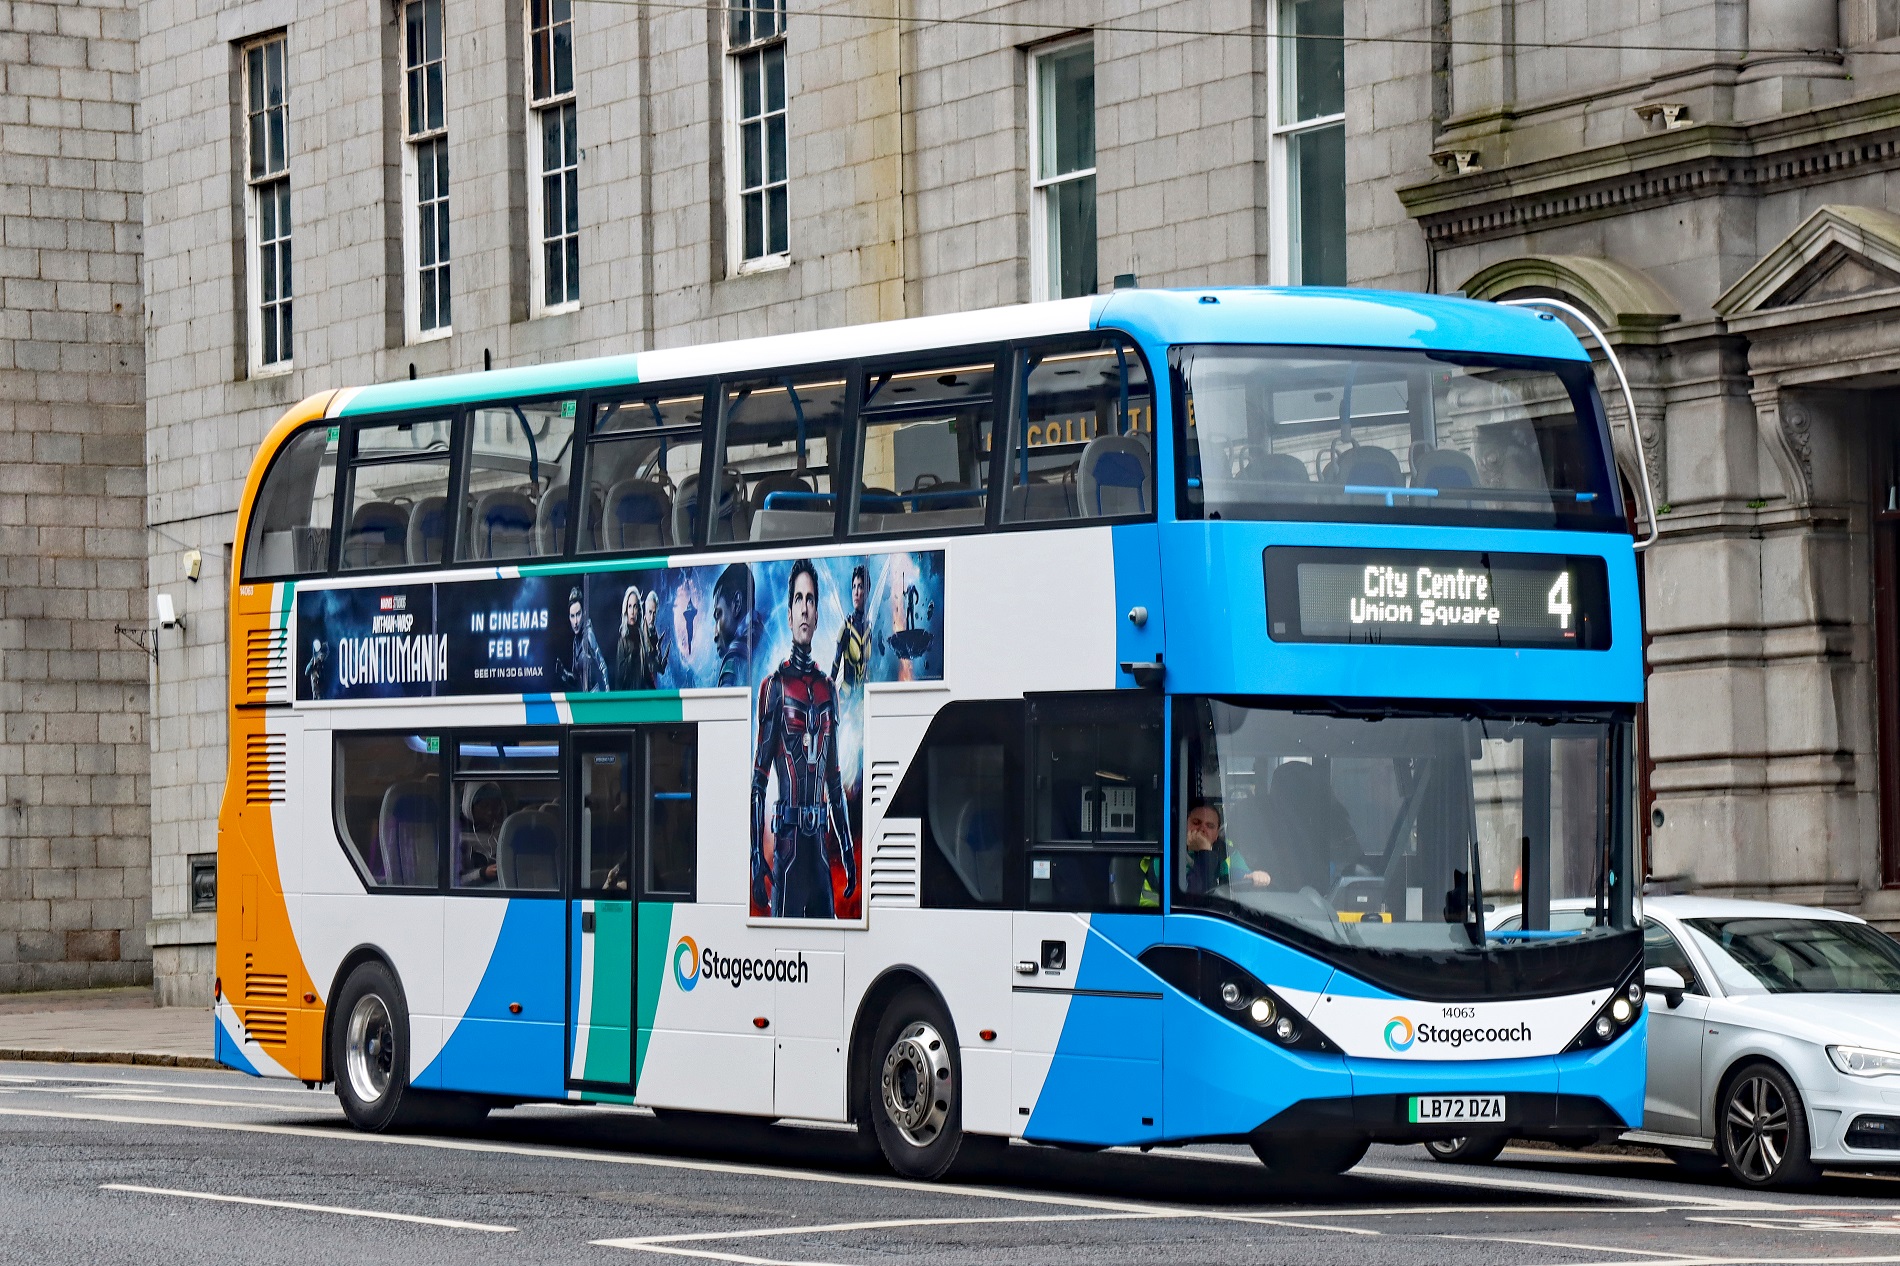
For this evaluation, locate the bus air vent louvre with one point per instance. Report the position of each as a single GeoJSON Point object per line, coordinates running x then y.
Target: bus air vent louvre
{"type": "Point", "coordinates": [266, 985]}
{"type": "Point", "coordinates": [883, 780]}
{"type": "Point", "coordinates": [265, 764]}
{"type": "Point", "coordinates": [894, 863]}
{"type": "Point", "coordinates": [267, 666]}
{"type": "Point", "coordinates": [268, 1028]}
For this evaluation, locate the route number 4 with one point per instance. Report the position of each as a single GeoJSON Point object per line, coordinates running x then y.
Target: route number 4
{"type": "Point", "coordinates": [1560, 600]}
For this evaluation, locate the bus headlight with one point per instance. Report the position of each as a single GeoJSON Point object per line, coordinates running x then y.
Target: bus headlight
{"type": "Point", "coordinates": [1604, 1028]}
{"type": "Point", "coordinates": [1621, 1011]}
{"type": "Point", "coordinates": [1232, 992]}
{"type": "Point", "coordinates": [1232, 996]}
{"type": "Point", "coordinates": [1261, 1012]}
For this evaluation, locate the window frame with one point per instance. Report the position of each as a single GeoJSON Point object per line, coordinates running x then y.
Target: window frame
{"type": "Point", "coordinates": [563, 737]}
{"type": "Point", "coordinates": [462, 445]}
{"type": "Point", "coordinates": [415, 137]}
{"type": "Point", "coordinates": [1017, 413]}
{"type": "Point", "coordinates": [445, 746]}
{"type": "Point", "coordinates": [737, 56]}
{"type": "Point", "coordinates": [346, 485]}
{"type": "Point", "coordinates": [1283, 134]}
{"type": "Point", "coordinates": [1096, 709]}
{"type": "Point", "coordinates": [1002, 359]}
{"type": "Point", "coordinates": [1040, 262]}
{"type": "Point", "coordinates": [337, 474]}
{"type": "Point", "coordinates": [258, 187]}
{"type": "Point", "coordinates": [564, 102]}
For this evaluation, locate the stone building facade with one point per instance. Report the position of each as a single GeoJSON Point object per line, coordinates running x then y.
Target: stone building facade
{"type": "Point", "coordinates": [1712, 180]}
{"type": "Point", "coordinates": [75, 894]}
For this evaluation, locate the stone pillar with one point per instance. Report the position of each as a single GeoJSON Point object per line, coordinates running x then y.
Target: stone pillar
{"type": "Point", "coordinates": [1794, 58]}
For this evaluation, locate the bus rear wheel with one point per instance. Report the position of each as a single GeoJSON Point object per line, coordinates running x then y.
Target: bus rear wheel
{"type": "Point", "coordinates": [1469, 1149]}
{"type": "Point", "coordinates": [914, 1093]}
{"type": "Point", "coordinates": [1310, 1155]}
{"type": "Point", "coordinates": [369, 1055]}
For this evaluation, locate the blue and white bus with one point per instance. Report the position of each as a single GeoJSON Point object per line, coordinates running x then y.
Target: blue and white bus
{"type": "Point", "coordinates": [1116, 721]}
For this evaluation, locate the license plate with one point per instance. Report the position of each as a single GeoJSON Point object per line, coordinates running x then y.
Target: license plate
{"type": "Point", "coordinates": [1455, 1109]}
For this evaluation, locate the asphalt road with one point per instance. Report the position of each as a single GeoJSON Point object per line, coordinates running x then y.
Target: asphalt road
{"type": "Point", "coordinates": [136, 1165]}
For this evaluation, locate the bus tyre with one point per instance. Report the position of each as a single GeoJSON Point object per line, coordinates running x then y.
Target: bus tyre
{"type": "Point", "coordinates": [1310, 1155]}
{"type": "Point", "coordinates": [1762, 1129]}
{"type": "Point", "coordinates": [915, 1092]}
{"type": "Point", "coordinates": [1470, 1149]}
{"type": "Point", "coordinates": [369, 1052]}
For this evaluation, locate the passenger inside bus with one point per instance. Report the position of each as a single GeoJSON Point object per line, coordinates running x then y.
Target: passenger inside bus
{"type": "Point", "coordinates": [483, 810]}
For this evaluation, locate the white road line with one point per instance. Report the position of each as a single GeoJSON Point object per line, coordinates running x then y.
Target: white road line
{"type": "Point", "coordinates": [146, 1097]}
{"type": "Point", "coordinates": [1671, 1258]}
{"type": "Point", "coordinates": [244, 1086]}
{"type": "Point", "coordinates": [308, 1208]}
{"type": "Point", "coordinates": [838, 1228]}
{"type": "Point", "coordinates": [1490, 1180]}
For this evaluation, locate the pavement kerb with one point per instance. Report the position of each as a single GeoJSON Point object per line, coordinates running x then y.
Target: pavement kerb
{"type": "Point", "coordinates": [58, 1055]}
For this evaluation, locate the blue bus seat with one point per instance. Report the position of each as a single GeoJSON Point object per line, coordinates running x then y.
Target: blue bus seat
{"type": "Point", "coordinates": [526, 850]}
{"type": "Point", "coordinates": [501, 525]}
{"type": "Point", "coordinates": [550, 521]}
{"type": "Point", "coordinates": [1114, 476]}
{"type": "Point", "coordinates": [405, 836]}
{"type": "Point", "coordinates": [639, 515]}
{"type": "Point", "coordinates": [379, 535]}
{"type": "Point", "coordinates": [1442, 468]}
{"type": "Point", "coordinates": [428, 530]}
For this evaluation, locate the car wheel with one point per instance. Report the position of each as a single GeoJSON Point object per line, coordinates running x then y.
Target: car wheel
{"type": "Point", "coordinates": [1309, 1155]}
{"type": "Point", "coordinates": [1471, 1149]}
{"type": "Point", "coordinates": [369, 1056]}
{"type": "Point", "coordinates": [1764, 1129]}
{"type": "Point", "coordinates": [914, 1093]}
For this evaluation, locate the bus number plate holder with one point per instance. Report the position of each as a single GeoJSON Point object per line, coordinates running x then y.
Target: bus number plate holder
{"type": "Point", "coordinates": [1455, 1109]}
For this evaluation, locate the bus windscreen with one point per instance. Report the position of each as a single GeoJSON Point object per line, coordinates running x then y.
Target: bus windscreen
{"type": "Point", "coordinates": [1359, 434]}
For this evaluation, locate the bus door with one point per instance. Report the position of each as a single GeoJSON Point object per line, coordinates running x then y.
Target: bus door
{"type": "Point", "coordinates": [601, 915]}
{"type": "Point", "coordinates": [1086, 1066]}
{"type": "Point", "coordinates": [636, 855]}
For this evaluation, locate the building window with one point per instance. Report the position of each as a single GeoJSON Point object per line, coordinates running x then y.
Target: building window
{"type": "Point", "coordinates": [267, 204]}
{"type": "Point", "coordinates": [426, 170]}
{"type": "Point", "coordinates": [1310, 143]}
{"type": "Point", "coordinates": [755, 41]}
{"type": "Point", "coordinates": [1062, 166]}
{"type": "Point", "coordinates": [551, 121]}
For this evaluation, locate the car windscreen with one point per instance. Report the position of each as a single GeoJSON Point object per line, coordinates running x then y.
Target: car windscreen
{"type": "Point", "coordinates": [1796, 955]}
{"type": "Point", "coordinates": [1412, 436]}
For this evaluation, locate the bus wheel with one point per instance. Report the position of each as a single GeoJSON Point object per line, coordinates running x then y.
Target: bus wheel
{"type": "Point", "coordinates": [369, 1051]}
{"type": "Point", "coordinates": [1307, 1155]}
{"type": "Point", "coordinates": [914, 1094]}
{"type": "Point", "coordinates": [1471, 1149]}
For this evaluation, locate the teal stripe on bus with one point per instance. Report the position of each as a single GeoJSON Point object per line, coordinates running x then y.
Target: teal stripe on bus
{"type": "Point", "coordinates": [629, 709]}
{"type": "Point", "coordinates": [598, 564]}
{"type": "Point", "coordinates": [562, 378]}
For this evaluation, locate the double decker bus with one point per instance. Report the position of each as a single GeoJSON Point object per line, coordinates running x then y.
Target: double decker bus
{"type": "Point", "coordinates": [1161, 717]}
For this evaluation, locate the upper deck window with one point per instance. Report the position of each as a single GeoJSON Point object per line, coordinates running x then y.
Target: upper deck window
{"type": "Point", "coordinates": [1347, 433]}
{"type": "Point", "coordinates": [290, 520]}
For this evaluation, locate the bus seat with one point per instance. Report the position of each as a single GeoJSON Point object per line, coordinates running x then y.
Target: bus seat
{"type": "Point", "coordinates": [501, 525]}
{"type": "Point", "coordinates": [526, 850]}
{"type": "Point", "coordinates": [550, 521]}
{"type": "Point", "coordinates": [1442, 468]}
{"type": "Point", "coordinates": [406, 831]}
{"type": "Point", "coordinates": [428, 529]}
{"type": "Point", "coordinates": [1368, 465]}
{"type": "Point", "coordinates": [1025, 503]}
{"type": "Point", "coordinates": [729, 516]}
{"type": "Point", "coordinates": [1283, 468]}
{"type": "Point", "coordinates": [379, 533]}
{"type": "Point", "coordinates": [639, 515]}
{"type": "Point", "coordinates": [780, 481]}
{"type": "Point", "coordinates": [1113, 477]}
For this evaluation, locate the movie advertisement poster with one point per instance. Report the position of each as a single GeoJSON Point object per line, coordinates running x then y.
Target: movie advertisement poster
{"type": "Point", "coordinates": [802, 636]}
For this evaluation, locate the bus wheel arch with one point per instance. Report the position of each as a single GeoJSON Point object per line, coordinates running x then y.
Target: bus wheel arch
{"type": "Point", "coordinates": [903, 1023]}
{"type": "Point", "coordinates": [350, 962]}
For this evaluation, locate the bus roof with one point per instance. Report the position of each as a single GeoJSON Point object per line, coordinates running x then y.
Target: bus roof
{"type": "Point", "coordinates": [1302, 316]}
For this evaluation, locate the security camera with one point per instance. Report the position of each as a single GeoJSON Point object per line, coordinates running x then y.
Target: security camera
{"type": "Point", "coordinates": [168, 613]}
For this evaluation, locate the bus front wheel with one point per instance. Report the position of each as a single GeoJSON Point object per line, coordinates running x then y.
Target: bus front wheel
{"type": "Point", "coordinates": [915, 1093]}
{"type": "Point", "coordinates": [1310, 1154]}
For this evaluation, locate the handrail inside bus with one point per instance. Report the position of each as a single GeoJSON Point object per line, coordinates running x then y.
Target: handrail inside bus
{"type": "Point", "coordinates": [1629, 400]}
{"type": "Point", "coordinates": [1531, 934]}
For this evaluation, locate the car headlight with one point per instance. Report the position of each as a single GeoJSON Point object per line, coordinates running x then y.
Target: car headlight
{"type": "Point", "coordinates": [1862, 1061]}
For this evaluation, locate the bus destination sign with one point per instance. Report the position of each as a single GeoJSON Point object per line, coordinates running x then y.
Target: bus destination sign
{"type": "Point", "coordinates": [1437, 598]}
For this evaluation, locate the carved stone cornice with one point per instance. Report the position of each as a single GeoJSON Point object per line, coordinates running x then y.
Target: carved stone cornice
{"type": "Point", "coordinates": [1703, 160]}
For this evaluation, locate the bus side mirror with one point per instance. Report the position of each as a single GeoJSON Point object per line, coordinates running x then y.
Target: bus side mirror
{"type": "Point", "coordinates": [1668, 982]}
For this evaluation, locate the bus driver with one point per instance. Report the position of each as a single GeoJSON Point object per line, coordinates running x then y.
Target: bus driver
{"type": "Point", "coordinates": [798, 737]}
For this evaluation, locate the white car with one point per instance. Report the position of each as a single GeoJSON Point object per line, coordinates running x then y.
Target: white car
{"type": "Point", "coordinates": [1774, 1039]}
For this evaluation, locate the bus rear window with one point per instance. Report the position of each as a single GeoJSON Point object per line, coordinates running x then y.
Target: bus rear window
{"type": "Point", "coordinates": [290, 520]}
{"type": "Point", "coordinates": [1347, 433]}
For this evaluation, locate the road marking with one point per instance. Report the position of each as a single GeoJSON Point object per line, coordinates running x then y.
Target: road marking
{"type": "Point", "coordinates": [238, 1085]}
{"type": "Point", "coordinates": [146, 1097]}
{"type": "Point", "coordinates": [1888, 1225]}
{"type": "Point", "coordinates": [1587, 1248]}
{"type": "Point", "coordinates": [1491, 1181]}
{"type": "Point", "coordinates": [308, 1208]}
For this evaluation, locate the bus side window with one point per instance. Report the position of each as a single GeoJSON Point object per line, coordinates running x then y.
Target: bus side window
{"type": "Point", "coordinates": [642, 466]}
{"type": "Point", "coordinates": [672, 822]}
{"type": "Point", "coordinates": [775, 475]}
{"type": "Point", "coordinates": [517, 458]}
{"type": "Point", "coordinates": [964, 785]}
{"type": "Point", "coordinates": [509, 828]}
{"type": "Point", "coordinates": [924, 444]}
{"type": "Point", "coordinates": [1083, 441]}
{"type": "Point", "coordinates": [290, 521]}
{"type": "Point", "coordinates": [387, 807]}
{"type": "Point", "coordinates": [1095, 804]}
{"type": "Point", "coordinates": [399, 486]}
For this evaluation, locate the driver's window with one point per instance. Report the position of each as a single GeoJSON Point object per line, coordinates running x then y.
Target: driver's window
{"type": "Point", "coordinates": [1095, 819]}
{"type": "Point", "coordinates": [1660, 949]}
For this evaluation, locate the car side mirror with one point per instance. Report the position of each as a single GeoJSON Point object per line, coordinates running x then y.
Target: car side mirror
{"type": "Point", "coordinates": [1668, 982]}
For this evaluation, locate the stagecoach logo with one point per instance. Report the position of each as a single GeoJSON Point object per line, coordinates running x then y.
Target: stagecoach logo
{"type": "Point", "coordinates": [1398, 1033]}
{"type": "Point", "coordinates": [692, 964]}
{"type": "Point", "coordinates": [686, 964]}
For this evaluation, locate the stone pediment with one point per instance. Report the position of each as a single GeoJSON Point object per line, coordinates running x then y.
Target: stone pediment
{"type": "Point", "coordinates": [1839, 252]}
